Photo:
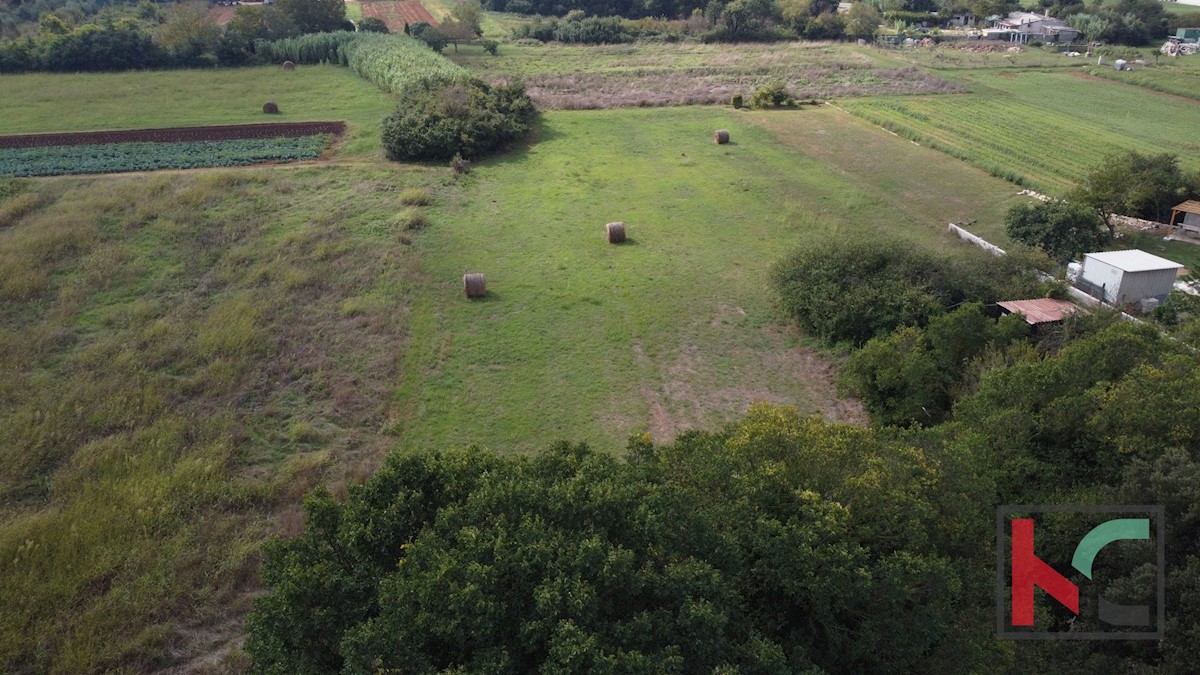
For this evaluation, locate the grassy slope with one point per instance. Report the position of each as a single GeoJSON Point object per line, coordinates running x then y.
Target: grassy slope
{"type": "Point", "coordinates": [593, 342]}
{"type": "Point", "coordinates": [36, 103]}
{"type": "Point", "coordinates": [181, 357]}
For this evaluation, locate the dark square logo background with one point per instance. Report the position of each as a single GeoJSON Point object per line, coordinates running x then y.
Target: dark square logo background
{"type": "Point", "coordinates": [1003, 561]}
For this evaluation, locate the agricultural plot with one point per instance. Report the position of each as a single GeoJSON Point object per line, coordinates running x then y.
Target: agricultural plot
{"type": "Point", "coordinates": [41, 103]}
{"type": "Point", "coordinates": [1042, 130]}
{"type": "Point", "coordinates": [639, 75]}
{"type": "Point", "coordinates": [397, 13]}
{"type": "Point", "coordinates": [120, 157]}
{"type": "Point", "coordinates": [1177, 78]}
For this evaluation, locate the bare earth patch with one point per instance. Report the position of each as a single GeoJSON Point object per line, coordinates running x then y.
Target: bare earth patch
{"type": "Point", "coordinates": [682, 393]}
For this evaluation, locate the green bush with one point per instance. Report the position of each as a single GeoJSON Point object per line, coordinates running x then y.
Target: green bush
{"type": "Point", "coordinates": [1064, 230]}
{"type": "Point", "coordinates": [771, 96]}
{"type": "Point", "coordinates": [850, 289]}
{"type": "Point", "coordinates": [736, 101]}
{"type": "Point", "coordinates": [434, 38]}
{"type": "Point", "coordinates": [490, 46]}
{"type": "Point", "coordinates": [469, 118]}
{"type": "Point", "coordinates": [372, 25]}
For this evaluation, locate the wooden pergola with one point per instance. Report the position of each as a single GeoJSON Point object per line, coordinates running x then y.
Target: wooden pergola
{"type": "Point", "coordinates": [1190, 206]}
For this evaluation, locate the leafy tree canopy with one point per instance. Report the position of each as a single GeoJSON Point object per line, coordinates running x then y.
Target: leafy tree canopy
{"type": "Point", "coordinates": [777, 546]}
{"type": "Point", "coordinates": [1064, 230]}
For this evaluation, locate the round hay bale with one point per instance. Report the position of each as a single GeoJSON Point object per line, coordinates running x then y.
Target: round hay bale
{"type": "Point", "coordinates": [615, 232]}
{"type": "Point", "coordinates": [289, 66]}
{"type": "Point", "coordinates": [473, 285]}
{"type": "Point", "coordinates": [721, 136]}
{"type": "Point", "coordinates": [270, 108]}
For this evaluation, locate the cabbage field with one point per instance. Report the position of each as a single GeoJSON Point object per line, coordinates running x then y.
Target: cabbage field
{"type": "Point", "coordinates": [120, 157]}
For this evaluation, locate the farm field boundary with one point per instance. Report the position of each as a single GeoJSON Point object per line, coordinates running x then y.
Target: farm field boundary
{"type": "Point", "coordinates": [176, 134]}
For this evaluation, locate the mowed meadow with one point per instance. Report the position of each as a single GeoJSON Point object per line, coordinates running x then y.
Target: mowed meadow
{"type": "Point", "coordinates": [184, 354]}
{"type": "Point", "coordinates": [675, 329]}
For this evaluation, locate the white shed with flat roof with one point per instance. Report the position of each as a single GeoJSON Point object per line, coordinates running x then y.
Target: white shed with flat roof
{"type": "Point", "coordinates": [1129, 276]}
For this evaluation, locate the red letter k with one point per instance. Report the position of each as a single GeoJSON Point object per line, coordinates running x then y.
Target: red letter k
{"type": "Point", "coordinates": [1028, 571]}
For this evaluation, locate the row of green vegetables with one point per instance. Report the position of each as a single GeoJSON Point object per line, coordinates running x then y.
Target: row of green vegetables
{"type": "Point", "coordinates": [118, 157]}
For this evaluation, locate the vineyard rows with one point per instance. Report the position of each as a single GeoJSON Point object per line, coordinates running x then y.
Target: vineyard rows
{"type": "Point", "coordinates": [118, 157]}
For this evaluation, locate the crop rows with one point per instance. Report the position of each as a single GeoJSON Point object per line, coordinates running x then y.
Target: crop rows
{"type": "Point", "coordinates": [394, 63]}
{"type": "Point", "coordinates": [225, 132]}
{"type": "Point", "coordinates": [395, 14]}
{"type": "Point", "coordinates": [1030, 145]}
{"type": "Point", "coordinates": [118, 157]}
{"type": "Point", "coordinates": [398, 63]}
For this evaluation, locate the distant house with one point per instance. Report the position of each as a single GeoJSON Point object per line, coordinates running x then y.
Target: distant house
{"type": "Point", "coordinates": [961, 20]}
{"type": "Point", "coordinates": [1125, 277]}
{"type": "Point", "coordinates": [1190, 210]}
{"type": "Point", "coordinates": [1026, 27]}
{"type": "Point", "coordinates": [1041, 312]}
{"type": "Point", "coordinates": [1187, 33]}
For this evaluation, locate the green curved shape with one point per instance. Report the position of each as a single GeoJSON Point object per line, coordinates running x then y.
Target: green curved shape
{"type": "Point", "coordinates": [1104, 534]}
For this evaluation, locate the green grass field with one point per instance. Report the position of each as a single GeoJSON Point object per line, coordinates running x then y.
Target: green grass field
{"type": "Point", "coordinates": [1180, 76]}
{"type": "Point", "coordinates": [37, 103]}
{"type": "Point", "coordinates": [1032, 126]}
{"type": "Point", "coordinates": [591, 341]}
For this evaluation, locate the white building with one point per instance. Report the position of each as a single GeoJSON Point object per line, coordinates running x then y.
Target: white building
{"type": "Point", "coordinates": [1125, 277]}
{"type": "Point", "coordinates": [1027, 27]}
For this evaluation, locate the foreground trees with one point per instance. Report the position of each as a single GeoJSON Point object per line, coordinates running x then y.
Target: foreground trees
{"type": "Point", "coordinates": [775, 546]}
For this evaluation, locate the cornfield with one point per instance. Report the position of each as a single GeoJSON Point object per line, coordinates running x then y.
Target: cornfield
{"type": "Point", "coordinates": [395, 63]}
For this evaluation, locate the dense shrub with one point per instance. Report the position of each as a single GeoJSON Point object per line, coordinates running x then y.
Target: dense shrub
{"type": "Point", "coordinates": [913, 375]}
{"type": "Point", "coordinates": [434, 38]}
{"type": "Point", "coordinates": [771, 95]}
{"type": "Point", "coordinates": [852, 288]}
{"type": "Point", "coordinates": [1064, 230]}
{"type": "Point", "coordinates": [373, 25]}
{"type": "Point", "coordinates": [468, 118]}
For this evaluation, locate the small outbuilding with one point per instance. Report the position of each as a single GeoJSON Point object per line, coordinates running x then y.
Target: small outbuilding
{"type": "Point", "coordinates": [1190, 220]}
{"type": "Point", "coordinates": [1041, 311]}
{"type": "Point", "coordinates": [1125, 277]}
